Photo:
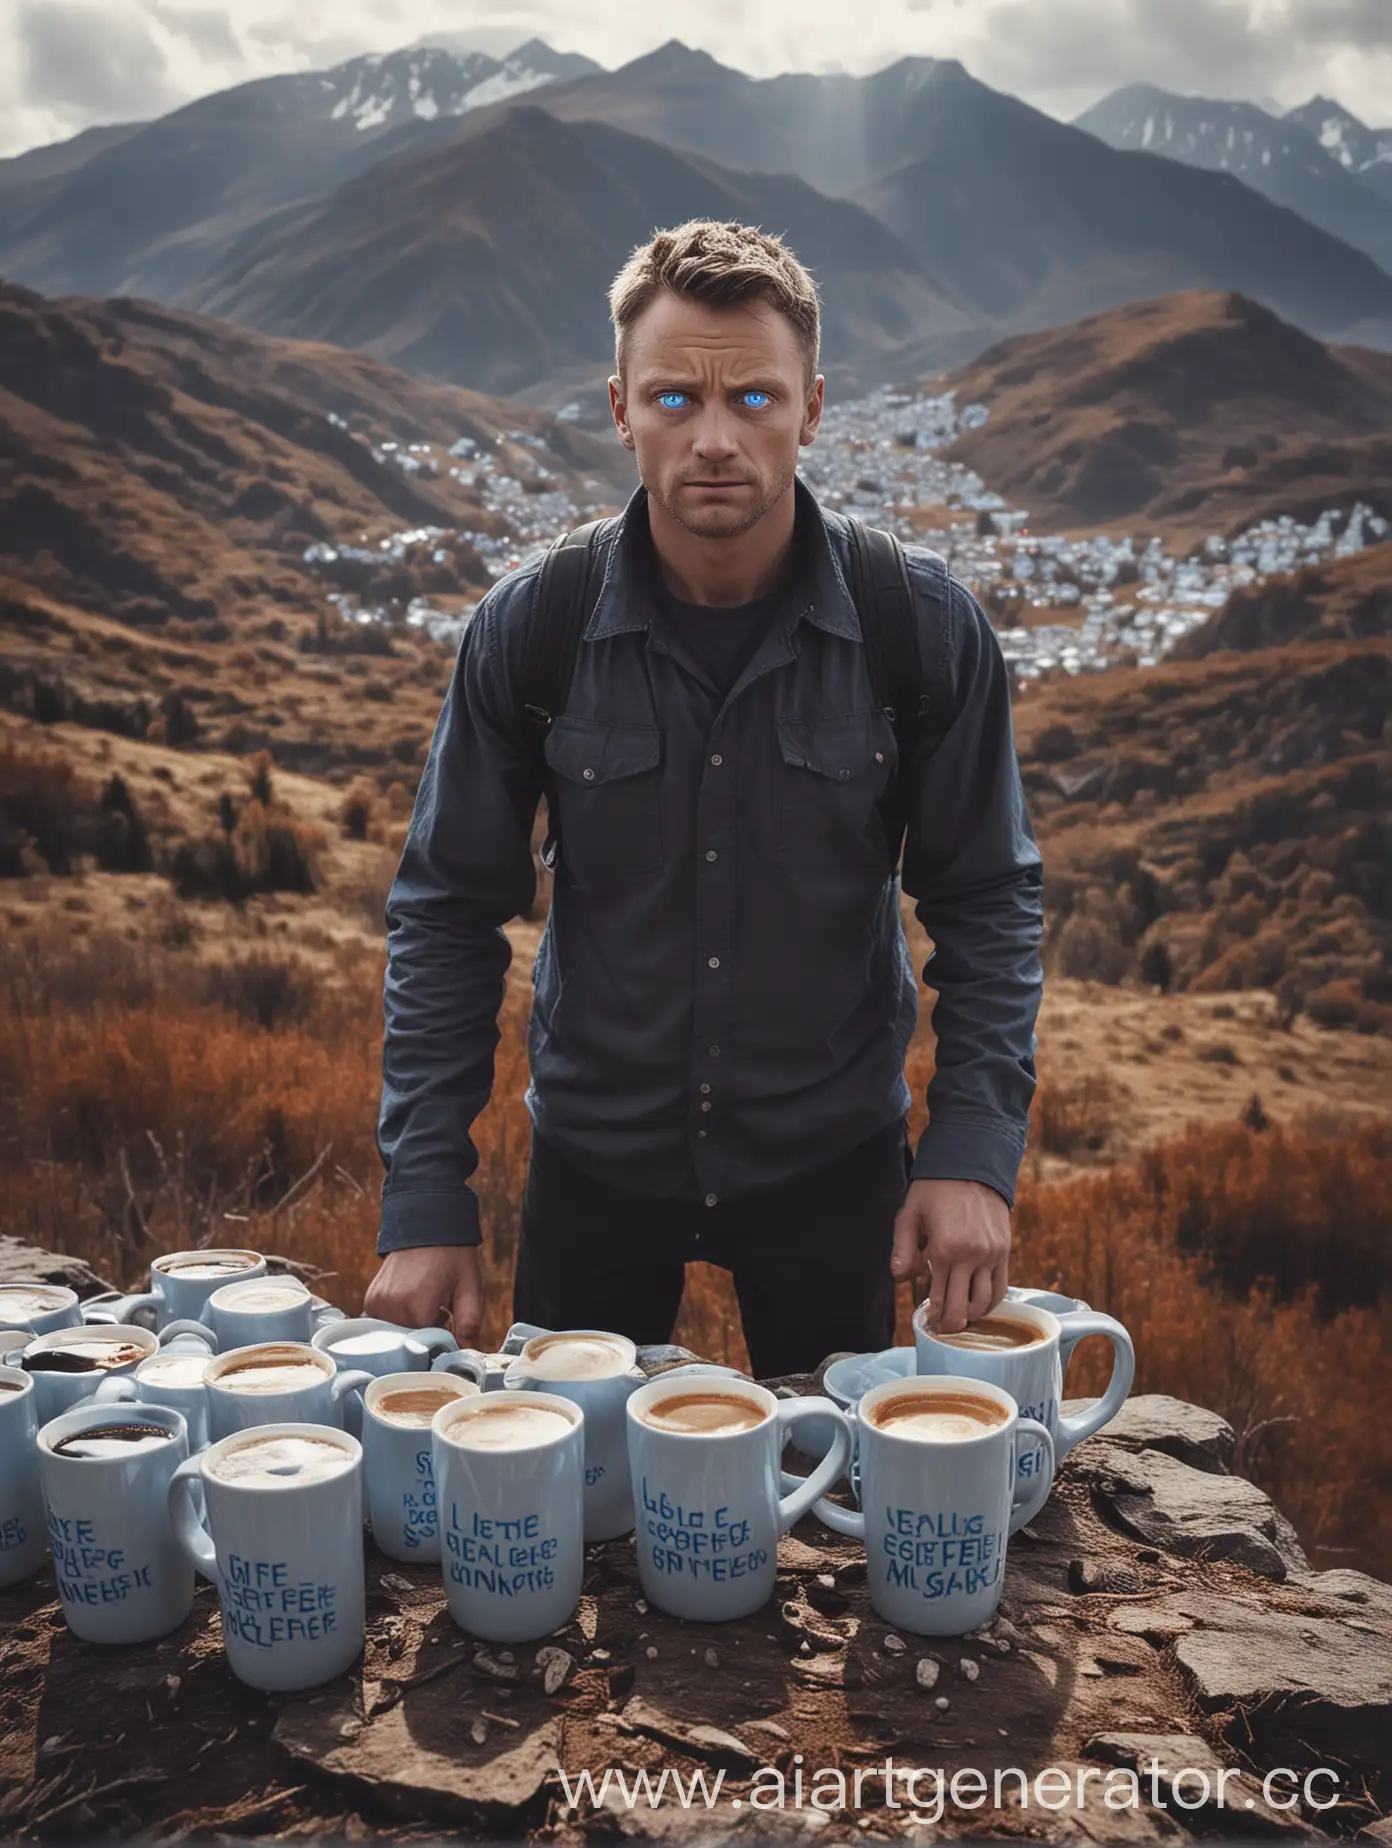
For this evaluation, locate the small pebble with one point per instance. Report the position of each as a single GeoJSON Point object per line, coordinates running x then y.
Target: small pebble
{"type": "Point", "coordinates": [804, 1647]}
{"type": "Point", "coordinates": [1003, 1733]}
{"type": "Point", "coordinates": [894, 1645]}
{"type": "Point", "coordinates": [651, 1652]}
{"type": "Point", "coordinates": [827, 1581]}
{"type": "Point", "coordinates": [556, 1666]}
{"type": "Point", "coordinates": [506, 1655]}
{"type": "Point", "coordinates": [927, 1672]}
{"type": "Point", "coordinates": [942, 1703]}
{"type": "Point", "coordinates": [711, 1659]}
{"type": "Point", "coordinates": [600, 1655]}
{"type": "Point", "coordinates": [641, 1606]}
{"type": "Point", "coordinates": [478, 1732]}
{"type": "Point", "coordinates": [1003, 1645]}
{"type": "Point", "coordinates": [969, 1668]}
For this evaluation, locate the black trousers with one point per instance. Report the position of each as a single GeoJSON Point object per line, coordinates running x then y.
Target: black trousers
{"type": "Point", "coordinates": [809, 1257]}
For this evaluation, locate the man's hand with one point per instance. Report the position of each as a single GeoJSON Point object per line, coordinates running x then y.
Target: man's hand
{"type": "Point", "coordinates": [962, 1230]}
{"type": "Point", "coordinates": [414, 1286]}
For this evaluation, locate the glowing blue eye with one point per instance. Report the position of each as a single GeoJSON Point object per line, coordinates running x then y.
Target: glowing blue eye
{"type": "Point", "coordinates": [762, 395]}
{"type": "Point", "coordinates": [671, 400]}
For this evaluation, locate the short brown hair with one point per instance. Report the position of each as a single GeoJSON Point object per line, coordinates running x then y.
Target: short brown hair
{"type": "Point", "coordinates": [723, 265]}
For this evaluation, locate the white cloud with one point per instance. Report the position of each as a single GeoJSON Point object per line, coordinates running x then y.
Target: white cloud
{"type": "Point", "coordinates": [108, 60]}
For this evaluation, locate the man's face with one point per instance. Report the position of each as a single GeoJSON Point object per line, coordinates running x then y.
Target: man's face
{"type": "Point", "coordinates": [716, 404]}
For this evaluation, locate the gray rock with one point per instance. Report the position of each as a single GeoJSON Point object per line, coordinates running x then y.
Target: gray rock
{"type": "Point", "coordinates": [1234, 1800]}
{"type": "Point", "coordinates": [700, 1741]}
{"type": "Point", "coordinates": [420, 1755]}
{"type": "Point", "coordinates": [1365, 1597]}
{"type": "Point", "coordinates": [1190, 1512]}
{"type": "Point", "coordinates": [1303, 1683]}
{"type": "Point", "coordinates": [1154, 1421]}
{"type": "Point", "coordinates": [23, 1263]}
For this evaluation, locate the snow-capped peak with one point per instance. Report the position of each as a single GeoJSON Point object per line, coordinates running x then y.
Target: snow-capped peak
{"type": "Point", "coordinates": [383, 90]}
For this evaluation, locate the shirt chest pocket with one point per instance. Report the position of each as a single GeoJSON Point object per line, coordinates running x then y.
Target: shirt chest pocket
{"type": "Point", "coordinates": [833, 774]}
{"type": "Point", "coordinates": [606, 799]}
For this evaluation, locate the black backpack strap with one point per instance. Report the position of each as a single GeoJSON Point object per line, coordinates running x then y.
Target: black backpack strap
{"type": "Point", "coordinates": [884, 604]}
{"type": "Point", "coordinates": [559, 612]}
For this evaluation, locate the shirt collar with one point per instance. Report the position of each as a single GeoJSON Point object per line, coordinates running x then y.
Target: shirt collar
{"type": "Point", "coordinates": [817, 590]}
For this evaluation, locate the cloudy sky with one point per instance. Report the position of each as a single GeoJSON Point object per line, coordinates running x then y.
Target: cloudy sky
{"type": "Point", "coordinates": [66, 64]}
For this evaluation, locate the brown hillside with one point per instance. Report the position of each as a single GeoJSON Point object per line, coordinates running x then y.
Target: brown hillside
{"type": "Point", "coordinates": [1222, 824]}
{"type": "Point", "coordinates": [161, 465]}
{"type": "Point", "coordinates": [1195, 413]}
{"type": "Point", "coordinates": [1344, 598]}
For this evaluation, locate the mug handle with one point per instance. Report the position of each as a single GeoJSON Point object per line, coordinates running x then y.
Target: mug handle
{"type": "Point", "coordinates": [173, 1330]}
{"type": "Point", "coordinates": [110, 1309]}
{"type": "Point", "coordinates": [1073, 1430]}
{"type": "Point", "coordinates": [1030, 1496]}
{"type": "Point", "coordinates": [524, 1332]}
{"type": "Point", "coordinates": [790, 1413]}
{"type": "Point", "coordinates": [355, 1380]}
{"type": "Point", "coordinates": [465, 1361]}
{"type": "Point", "coordinates": [434, 1340]}
{"type": "Point", "coordinates": [325, 1314]}
{"type": "Point", "coordinates": [189, 1530]}
{"type": "Point", "coordinates": [121, 1390]}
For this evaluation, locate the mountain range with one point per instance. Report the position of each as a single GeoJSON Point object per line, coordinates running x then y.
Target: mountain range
{"type": "Point", "coordinates": [1278, 157]}
{"type": "Point", "coordinates": [462, 215]}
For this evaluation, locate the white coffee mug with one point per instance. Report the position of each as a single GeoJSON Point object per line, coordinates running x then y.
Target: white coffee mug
{"type": "Point", "coordinates": [265, 1309]}
{"type": "Point", "coordinates": [316, 1402]}
{"type": "Point", "coordinates": [55, 1392]}
{"type": "Point", "coordinates": [285, 1551]}
{"type": "Point", "coordinates": [1033, 1375]}
{"type": "Point", "coordinates": [373, 1346]}
{"type": "Point", "coordinates": [399, 1470]}
{"type": "Point", "coordinates": [39, 1307]}
{"type": "Point", "coordinates": [180, 1284]}
{"type": "Point", "coordinates": [171, 1379]}
{"type": "Point", "coordinates": [23, 1537]}
{"type": "Point", "coordinates": [604, 1401]}
{"type": "Point", "coordinates": [708, 1507]}
{"type": "Point", "coordinates": [121, 1576]}
{"type": "Point", "coordinates": [938, 1515]}
{"type": "Point", "coordinates": [512, 1543]}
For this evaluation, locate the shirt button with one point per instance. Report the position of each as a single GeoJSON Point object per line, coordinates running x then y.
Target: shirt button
{"type": "Point", "coordinates": [588, 775]}
{"type": "Point", "coordinates": [717, 759]}
{"type": "Point", "coordinates": [702, 1134]}
{"type": "Point", "coordinates": [710, 1199]}
{"type": "Point", "coordinates": [705, 1106]}
{"type": "Point", "coordinates": [705, 1090]}
{"type": "Point", "coordinates": [879, 757]}
{"type": "Point", "coordinates": [714, 1052]}
{"type": "Point", "coordinates": [711, 853]}
{"type": "Point", "coordinates": [713, 962]}
{"type": "Point", "coordinates": [843, 774]}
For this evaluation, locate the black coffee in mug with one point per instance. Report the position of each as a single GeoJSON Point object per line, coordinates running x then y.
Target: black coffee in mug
{"type": "Point", "coordinates": [84, 1357]}
{"type": "Point", "coordinates": [112, 1441]}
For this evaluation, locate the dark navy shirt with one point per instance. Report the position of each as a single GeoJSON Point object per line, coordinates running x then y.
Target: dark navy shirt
{"type": "Point", "coordinates": [723, 995]}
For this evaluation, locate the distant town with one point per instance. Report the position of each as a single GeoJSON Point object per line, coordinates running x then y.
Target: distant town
{"type": "Point", "coordinates": [1058, 603]}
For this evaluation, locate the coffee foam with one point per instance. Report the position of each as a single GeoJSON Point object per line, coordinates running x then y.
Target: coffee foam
{"type": "Point", "coordinates": [259, 1298]}
{"type": "Point", "coordinates": [939, 1417]}
{"type": "Point", "coordinates": [414, 1406]}
{"type": "Point", "coordinates": [26, 1299]}
{"type": "Point", "coordinates": [509, 1427]}
{"type": "Point", "coordinates": [997, 1334]}
{"type": "Point", "coordinates": [279, 1461]}
{"type": "Point", "coordinates": [574, 1357]}
{"type": "Point", "coordinates": [368, 1341]}
{"type": "Point", "coordinates": [699, 1413]}
{"type": "Point", "coordinates": [108, 1441]}
{"type": "Point", "coordinates": [175, 1369]}
{"type": "Point", "coordinates": [232, 1265]}
{"type": "Point", "coordinates": [270, 1371]}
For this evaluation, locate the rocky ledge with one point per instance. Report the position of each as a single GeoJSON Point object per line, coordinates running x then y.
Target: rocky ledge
{"type": "Point", "coordinates": [1159, 1618]}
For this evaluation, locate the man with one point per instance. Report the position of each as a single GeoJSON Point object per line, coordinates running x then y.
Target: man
{"type": "Point", "coordinates": [723, 996]}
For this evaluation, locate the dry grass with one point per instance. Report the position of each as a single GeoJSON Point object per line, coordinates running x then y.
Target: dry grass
{"type": "Point", "coordinates": [153, 1101]}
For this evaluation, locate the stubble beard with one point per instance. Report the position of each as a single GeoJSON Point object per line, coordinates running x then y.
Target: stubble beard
{"type": "Point", "coordinates": [716, 519]}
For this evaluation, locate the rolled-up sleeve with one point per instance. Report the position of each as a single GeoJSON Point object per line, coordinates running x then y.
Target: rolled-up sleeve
{"type": "Point", "coordinates": [973, 869]}
{"type": "Point", "coordinates": [466, 869]}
